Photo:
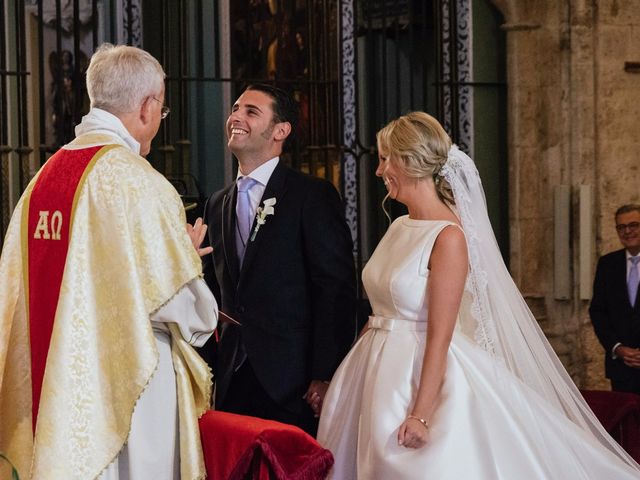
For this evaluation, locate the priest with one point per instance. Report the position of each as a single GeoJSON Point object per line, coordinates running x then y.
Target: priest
{"type": "Point", "coordinates": [101, 299]}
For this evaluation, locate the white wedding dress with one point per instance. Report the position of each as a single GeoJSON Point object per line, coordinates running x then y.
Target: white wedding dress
{"type": "Point", "coordinates": [487, 425]}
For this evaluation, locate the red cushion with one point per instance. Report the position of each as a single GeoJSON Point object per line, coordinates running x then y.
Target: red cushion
{"type": "Point", "coordinates": [619, 413]}
{"type": "Point", "coordinates": [237, 445]}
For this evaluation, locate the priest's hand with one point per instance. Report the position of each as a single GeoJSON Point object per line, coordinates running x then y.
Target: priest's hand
{"type": "Point", "coordinates": [315, 395]}
{"type": "Point", "coordinates": [196, 232]}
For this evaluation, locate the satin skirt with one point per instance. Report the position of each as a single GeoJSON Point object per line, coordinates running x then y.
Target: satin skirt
{"type": "Point", "coordinates": [487, 425]}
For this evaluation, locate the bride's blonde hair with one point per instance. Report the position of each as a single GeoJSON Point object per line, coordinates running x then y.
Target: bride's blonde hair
{"type": "Point", "coordinates": [421, 146]}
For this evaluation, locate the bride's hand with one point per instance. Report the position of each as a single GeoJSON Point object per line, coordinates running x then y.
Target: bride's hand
{"type": "Point", "coordinates": [413, 433]}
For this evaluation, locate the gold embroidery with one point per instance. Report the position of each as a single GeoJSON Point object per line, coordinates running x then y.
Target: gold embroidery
{"type": "Point", "coordinates": [42, 229]}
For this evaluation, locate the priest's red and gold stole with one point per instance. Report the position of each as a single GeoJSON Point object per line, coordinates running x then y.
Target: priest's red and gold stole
{"type": "Point", "coordinates": [46, 228]}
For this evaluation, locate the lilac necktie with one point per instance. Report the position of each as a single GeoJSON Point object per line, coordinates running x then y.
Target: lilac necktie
{"type": "Point", "coordinates": [244, 214]}
{"type": "Point", "coordinates": [634, 279]}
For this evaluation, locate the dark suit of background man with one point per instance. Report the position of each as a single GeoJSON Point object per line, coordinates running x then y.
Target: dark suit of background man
{"type": "Point", "coordinates": [615, 307]}
{"type": "Point", "coordinates": [293, 291]}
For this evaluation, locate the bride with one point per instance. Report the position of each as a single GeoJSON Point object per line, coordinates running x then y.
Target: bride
{"type": "Point", "coordinates": [452, 377]}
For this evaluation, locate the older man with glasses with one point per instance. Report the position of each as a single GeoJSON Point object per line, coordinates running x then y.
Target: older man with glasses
{"type": "Point", "coordinates": [615, 307]}
{"type": "Point", "coordinates": [102, 299]}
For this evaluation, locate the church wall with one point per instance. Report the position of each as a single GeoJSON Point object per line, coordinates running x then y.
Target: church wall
{"type": "Point", "coordinates": [573, 120]}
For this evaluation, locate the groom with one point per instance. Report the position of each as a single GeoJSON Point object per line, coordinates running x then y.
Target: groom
{"type": "Point", "coordinates": [282, 265]}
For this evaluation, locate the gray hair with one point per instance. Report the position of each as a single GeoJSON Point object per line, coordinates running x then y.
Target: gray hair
{"type": "Point", "coordinates": [630, 207]}
{"type": "Point", "coordinates": [120, 77]}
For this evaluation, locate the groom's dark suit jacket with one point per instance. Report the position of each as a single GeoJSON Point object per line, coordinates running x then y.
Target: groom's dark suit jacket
{"type": "Point", "coordinates": [614, 319]}
{"type": "Point", "coordinates": [295, 295]}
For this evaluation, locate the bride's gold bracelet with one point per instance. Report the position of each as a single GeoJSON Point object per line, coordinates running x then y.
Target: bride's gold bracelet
{"type": "Point", "coordinates": [421, 420]}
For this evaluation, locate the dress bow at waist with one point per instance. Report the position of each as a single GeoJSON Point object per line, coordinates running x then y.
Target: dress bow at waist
{"type": "Point", "coordinates": [398, 324]}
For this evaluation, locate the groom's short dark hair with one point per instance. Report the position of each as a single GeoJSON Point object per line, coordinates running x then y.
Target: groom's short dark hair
{"type": "Point", "coordinates": [285, 107]}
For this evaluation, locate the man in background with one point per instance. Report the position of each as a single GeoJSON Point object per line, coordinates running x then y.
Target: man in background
{"type": "Point", "coordinates": [615, 306]}
{"type": "Point", "coordinates": [282, 265]}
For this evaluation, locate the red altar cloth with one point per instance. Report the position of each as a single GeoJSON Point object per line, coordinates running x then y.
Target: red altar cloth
{"type": "Point", "coordinates": [238, 447]}
{"type": "Point", "coordinates": [619, 413]}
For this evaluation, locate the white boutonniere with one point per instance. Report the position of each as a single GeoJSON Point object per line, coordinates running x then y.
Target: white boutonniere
{"type": "Point", "coordinates": [261, 215]}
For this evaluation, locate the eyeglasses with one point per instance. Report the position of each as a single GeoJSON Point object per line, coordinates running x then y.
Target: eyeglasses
{"type": "Point", "coordinates": [633, 226]}
{"type": "Point", "coordinates": [164, 111]}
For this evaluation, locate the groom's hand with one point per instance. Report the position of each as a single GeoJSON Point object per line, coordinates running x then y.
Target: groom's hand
{"type": "Point", "coordinates": [315, 395]}
{"type": "Point", "coordinates": [630, 356]}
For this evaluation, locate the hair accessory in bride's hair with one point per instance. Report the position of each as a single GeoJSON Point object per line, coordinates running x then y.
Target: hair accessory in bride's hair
{"type": "Point", "coordinates": [438, 171]}
{"type": "Point", "coordinates": [452, 162]}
